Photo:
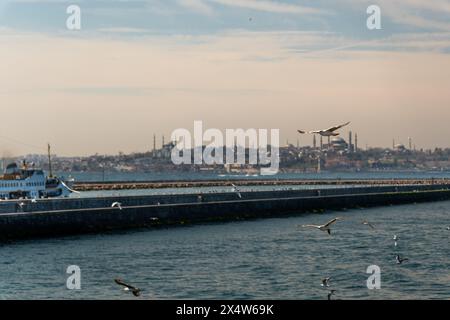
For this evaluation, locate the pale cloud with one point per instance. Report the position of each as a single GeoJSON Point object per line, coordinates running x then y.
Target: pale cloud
{"type": "Point", "coordinates": [439, 6]}
{"type": "Point", "coordinates": [197, 6]}
{"type": "Point", "coordinates": [269, 6]}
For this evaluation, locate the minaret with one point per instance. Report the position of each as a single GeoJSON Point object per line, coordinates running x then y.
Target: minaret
{"type": "Point", "coordinates": [49, 162]}
{"type": "Point", "coordinates": [350, 146]}
{"type": "Point", "coordinates": [410, 143]}
{"type": "Point", "coordinates": [163, 141]}
{"type": "Point", "coordinates": [314, 141]}
{"type": "Point", "coordinates": [321, 143]}
{"type": "Point", "coordinates": [298, 143]}
{"type": "Point", "coordinates": [393, 144]}
{"type": "Point", "coordinates": [356, 142]}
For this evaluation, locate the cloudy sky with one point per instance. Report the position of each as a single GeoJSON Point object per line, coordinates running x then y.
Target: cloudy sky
{"type": "Point", "coordinates": [142, 67]}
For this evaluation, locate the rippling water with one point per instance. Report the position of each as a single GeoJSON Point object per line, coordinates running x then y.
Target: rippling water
{"type": "Point", "coordinates": [258, 259]}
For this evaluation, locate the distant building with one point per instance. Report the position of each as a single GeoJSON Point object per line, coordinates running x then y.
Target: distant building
{"type": "Point", "coordinates": [338, 144]}
{"type": "Point", "coordinates": [399, 147]}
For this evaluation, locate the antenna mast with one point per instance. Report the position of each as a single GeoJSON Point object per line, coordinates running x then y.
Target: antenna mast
{"type": "Point", "coordinates": [49, 162]}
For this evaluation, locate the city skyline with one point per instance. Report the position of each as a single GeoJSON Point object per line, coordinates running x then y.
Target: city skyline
{"type": "Point", "coordinates": [142, 67]}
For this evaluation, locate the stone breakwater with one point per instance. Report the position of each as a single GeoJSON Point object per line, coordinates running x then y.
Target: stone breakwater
{"type": "Point", "coordinates": [54, 217]}
{"type": "Point", "coordinates": [117, 185]}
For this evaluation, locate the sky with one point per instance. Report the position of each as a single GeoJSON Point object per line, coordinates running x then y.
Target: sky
{"type": "Point", "coordinates": [138, 68]}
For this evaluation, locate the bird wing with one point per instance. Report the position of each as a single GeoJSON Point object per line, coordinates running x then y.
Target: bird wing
{"type": "Point", "coordinates": [329, 223]}
{"type": "Point", "coordinates": [301, 131]}
{"type": "Point", "coordinates": [67, 187]}
{"type": "Point", "coordinates": [337, 127]}
{"type": "Point", "coordinates": [121, 283]}
{"type": "Point", "coordinates": [316, 131]}
{"type": "Point", "coordinates": [309, 226]}
{"type": "Point", "coordinates": [368, 224]}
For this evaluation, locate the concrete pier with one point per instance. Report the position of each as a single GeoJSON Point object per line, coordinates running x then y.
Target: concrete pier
{"type": "Point", "coordinates": [120, 185]}
{"type": "Point", "coordinates": [50, 217]}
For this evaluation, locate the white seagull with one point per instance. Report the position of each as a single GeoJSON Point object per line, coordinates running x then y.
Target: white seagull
{"type": "Point", "coordinates": [136, 291]}
{"type": "Point", "coordinates": [400, 260]}
{"type": "Point", "coordinates": [395, 239]}
{"type": "Point", "coordinates": [367, 223]}
{"type": "Point", "coordinates": [326, 132]}
{"type": "Point", "coordinates": [326, 282]}
{"type": "Point", "coordinates": [117, 205]}
{"type": "Point", "coordinates": [323, 227]}
{"type": "Point", "coordinates": [448, 228]}
{"type": "Point", "coordinates": [67, 187]}
{"type": "Point", "coordinates": [236, 190]}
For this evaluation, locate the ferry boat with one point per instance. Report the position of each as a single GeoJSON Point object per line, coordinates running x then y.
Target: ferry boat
{"type": "Point", "coordinates": [28, 182]}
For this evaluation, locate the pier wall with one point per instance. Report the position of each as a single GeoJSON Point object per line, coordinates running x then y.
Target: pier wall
{"type": "Point", "coordinates": [105, 202]}
{"type": "Point", "coordinates": [71, 216]}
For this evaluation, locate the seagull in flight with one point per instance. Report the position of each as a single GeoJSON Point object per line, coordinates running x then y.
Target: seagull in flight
{"type": "Point", "coordinates": [67, 187]}
{"type": "Point", "coordinates": [326, 132]}
{"type": "Point", "coordinates": [400, 260]}
{"type": "Point", "coordinates": [448, 228]}
{"type": "Point", "coordinates": [135, 291]}
{"type": "Point", "coordinates": [236, 190]}
{"type": "Point", "coordinates": [367, 223]}
{"type": "Point", "coordinates": [330, 294]}
{"type": "Point", "coordinates": [326, 282]}
{"type": "Point", "coordinates": [117, 205]}
{"type": "Point", "coordinates": [395, 239]}
{"type": "Point", "coordinates": [323, 227]}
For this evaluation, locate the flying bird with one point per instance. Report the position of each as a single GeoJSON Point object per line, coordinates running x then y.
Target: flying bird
{"type": "Point", "coordinates": [448, 228]}
{"type": "Point", "coordinates": [395, 239]}
{"type": "Point", "coordinates": [117, 205]}
{"type": "Point", "coordinates": [400, 260]}
{"type": "Point", "coordinates": [323, 227]}
{"type": "Point", "coordinates": [67, 187]}
{"type": "Point", "coordinates": [135, 291]}
{"type": "Point", "coordinates": [367, 223]}
{"type": "Point", "coordinates": [326, 282]}
{"type": "Point", "coordinates": [34, 200]}
{"type": "Point", "coordinates": [236, 190]}
{"type": "Point", "coordinates": [326, 132]}
{"type": "Point", "coordinates": [330, 294]}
